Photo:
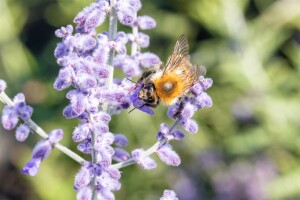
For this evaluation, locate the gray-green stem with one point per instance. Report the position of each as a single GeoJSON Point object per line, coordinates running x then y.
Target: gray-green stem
{"type": "Point", "coordinates": [110, 64]}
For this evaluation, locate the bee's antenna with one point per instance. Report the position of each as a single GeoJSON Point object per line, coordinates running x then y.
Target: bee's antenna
{"type": "Point", "coordinates": [131, 80]}
{"type": "Point", "coordinates": [131, 110]}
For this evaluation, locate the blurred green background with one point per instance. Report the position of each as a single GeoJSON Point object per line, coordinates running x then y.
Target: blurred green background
{"type": "Point", "coordinates": [248, 144]}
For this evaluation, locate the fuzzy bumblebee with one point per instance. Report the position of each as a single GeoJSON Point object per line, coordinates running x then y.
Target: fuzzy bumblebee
{"type": "Point", "coordinates": [169, 83]}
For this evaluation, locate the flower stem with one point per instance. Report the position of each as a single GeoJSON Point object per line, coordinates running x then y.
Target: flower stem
{"type": "Point", "coordinates": [134, 45]}
{"type": "Point", "coordinates": [148, 152]}
{"type": "Point", "coordinates": [110, 64]}
{"type": "Point", "coordinates": [33, 126]}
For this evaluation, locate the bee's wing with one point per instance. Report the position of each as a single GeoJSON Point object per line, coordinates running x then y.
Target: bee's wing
{"type": "Point", "coordinates": [200, 70]}
{"type": "Point", "coordinates": [180, 56]}
{"type": "Point", "coordinates": [181, 46]}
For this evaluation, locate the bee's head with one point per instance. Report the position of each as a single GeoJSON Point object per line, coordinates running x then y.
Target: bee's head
{"type": "Point", "coordinates": [147, 93]}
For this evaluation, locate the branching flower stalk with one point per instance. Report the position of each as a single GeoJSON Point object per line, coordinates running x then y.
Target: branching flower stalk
{"type": "Point", "coordinates": [88, 60]}
{"type": "Point", "coordinates": [34, 127]}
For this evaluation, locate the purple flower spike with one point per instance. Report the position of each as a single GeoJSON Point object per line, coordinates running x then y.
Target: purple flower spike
{"type": "Point", "coordinates": [146, 22]}
{"type": "Point", "coordinates": [169, 195]}
{"type": "Point", "coordinates": [2, 85]}
{"type": "Point", "coordinates": [9, 118]}
{"type": "Point", "coordinates": [32, 167]}
{"type": "Point", "coordinates": [22, 132]}
{"type": "Point", "coordinates": [56, 135]}
{"type": "Point", "coordinates": [145, 161]}
{"type": "Point", "coordinates": [168, 156]}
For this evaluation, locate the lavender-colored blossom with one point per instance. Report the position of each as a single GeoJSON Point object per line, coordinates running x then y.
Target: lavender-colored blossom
{"type": "Point", "coordinates": [120, 155]}
{"type": "Point", "coordinates": [105, 194]}
{"type": "Point", "coordinates": [128, 64]}
{"type": "Point", "coordinates": [148, 59]}
{"type": "Point", "coordinates": [91, 16]}
{"type": "Point", "coordinates": [9, 118]}
{"type": "Point", "coordinates": [120, 140]}
{"type": "Point", "coordinates": [119, 43]}
{"type": "Point", "coordinates": [188, 110]}
{"type": "Point", "coordinates": [125, 13]}
{"type": "Point", "coordinates": [22, 132]}
{"type": "Point", "coordinates": [24, 111]}
{"type": "Point", "coordinates": [83, 177]}
{"type": "Point", "coordinates": [69, 113]}
{"type": "Point", "coordinates": [55, 135]}
{"type": "Point", "coordinates": [189, 125]}
{"type": "Point", "coordinates": [169, 195]}
{"type": "Point", "coordinates": [41, 151]}
{"type": "Point", "coordinates": [85, 146]}
{"type": "Point", "coordinates": [143, 40]}
{"type": "Point", "coordinates": [140, 158]}
{"type": "Point", "coordinates": [203, 101]}
{"type": "Point", "coordinates": [84, 193]}
{"type": "Point", "coordinates": [32, 167]}
{"type": "Point", "coordinates": [177, 134]}
{"type": "Point", "coordinates": [105, 180]}
{"type": "Point", "coordinates": [165, 134]}
{"type": "Point", "coordinates": [146, 22]}
{"type": "Point", "coordinates": [64, 31]}
{"type": "Point", "coordinates": [2, 85]}
{"type": "Point", "coordinates": [168, 155]}
{"type": "Point", "coordinates": [103, 140]}
{"type": "Point", "coordinates": [81, 132]}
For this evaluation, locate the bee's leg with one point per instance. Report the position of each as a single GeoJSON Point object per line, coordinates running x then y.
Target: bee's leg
{"type": "Point", "coordinates": [178, 112]}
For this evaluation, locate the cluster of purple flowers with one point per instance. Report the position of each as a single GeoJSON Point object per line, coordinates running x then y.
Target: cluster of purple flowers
{"type": "Point", "coordinates": [87, 61]}
{"type": "Point", "coordinates": [11, 114]}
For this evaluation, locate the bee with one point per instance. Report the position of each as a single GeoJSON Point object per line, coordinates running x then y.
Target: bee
{"type": "Point", "coordinates": [169, 83]}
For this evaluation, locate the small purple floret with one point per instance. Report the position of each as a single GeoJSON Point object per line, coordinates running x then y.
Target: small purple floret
{"type": "Point", "coordinates": [169, 195]}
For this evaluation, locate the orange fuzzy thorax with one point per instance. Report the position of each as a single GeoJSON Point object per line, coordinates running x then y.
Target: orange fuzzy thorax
{"type": "Point", "coordinates": [168, 87]}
